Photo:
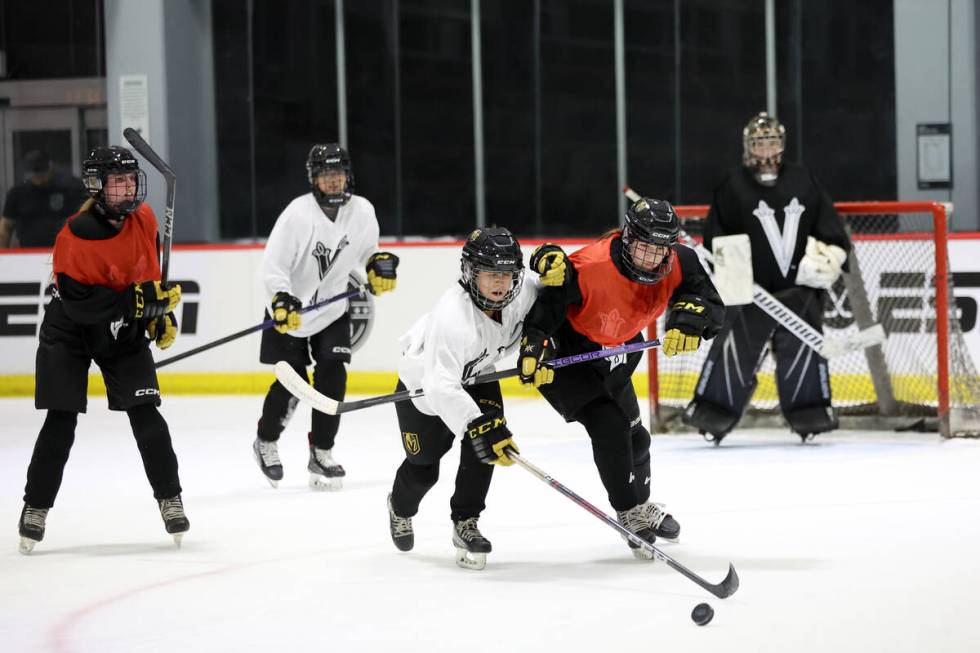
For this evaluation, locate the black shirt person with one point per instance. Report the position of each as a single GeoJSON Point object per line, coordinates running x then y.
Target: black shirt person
{"type": "Point", "coordinates": [37, 207]}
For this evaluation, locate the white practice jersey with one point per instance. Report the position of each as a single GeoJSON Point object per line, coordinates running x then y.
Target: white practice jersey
{"type": "Point", "coordinates": [310, 256]}
{"type": "Point", "coordinates": [454, 342]}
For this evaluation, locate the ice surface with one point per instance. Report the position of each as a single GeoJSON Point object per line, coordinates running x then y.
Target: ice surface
{"type": "Point", "coordinates": [856, 542]}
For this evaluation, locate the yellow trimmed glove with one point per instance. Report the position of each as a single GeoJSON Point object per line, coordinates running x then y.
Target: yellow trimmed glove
{"type": "Point", "coordinates": [150, 299]}
{"type": "Point", "coordinates": [381, 272]}
{"type": "Point", "coordinates": [490, 438]}
{"type": "Point", "coordinates": [688, 319]}
{"type": "Point", "coordinates": [534, 348]}
{"type": "Point", "coordinates": [548, 261]}
{"type": "Point", "coordinates": [676, 342]}
{"type": "Point", "coordinates": [285, 311]}
{"type": "Point", "coordinates": [163, 330]}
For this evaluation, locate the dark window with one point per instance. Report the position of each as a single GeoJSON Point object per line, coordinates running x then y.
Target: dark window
{"type": "Point", "coordinates": [47, 39]}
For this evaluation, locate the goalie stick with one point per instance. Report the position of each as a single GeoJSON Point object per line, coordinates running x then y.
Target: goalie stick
{"type": "Point", "coordinates": [782, 315]}
{"type": "Point", "coordinates": [302, 390]}
{"type": "Point", "coordinates": [722, 590]}
{"type": "Point", "coordinates": [170, 176]}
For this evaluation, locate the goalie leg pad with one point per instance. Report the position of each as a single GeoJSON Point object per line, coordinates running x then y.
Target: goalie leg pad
{"type": "Point", "coordinates": [710, 418]}
{"type": "Point", "coordinates": [812, 420]}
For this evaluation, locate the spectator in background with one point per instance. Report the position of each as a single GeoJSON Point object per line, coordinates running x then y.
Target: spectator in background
{"type": "Point", "coordinates": [37, 207]}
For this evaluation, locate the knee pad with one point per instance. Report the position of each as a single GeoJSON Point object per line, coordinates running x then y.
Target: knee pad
{"type": "Point", "coordinates": [641, 445]}
{"type": "Point", "coordinates": [812, 419]}
{"type": "Point", "coordinates": [424, 474]}
{"type": "Point", "coordinates": [147, 422]}
{"type": "Point", "coordinates": [709, 418]}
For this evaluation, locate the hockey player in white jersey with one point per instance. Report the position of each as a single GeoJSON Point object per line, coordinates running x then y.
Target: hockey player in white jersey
{"type": "Point", "coordinates": [476, 323]}
{"type": "Point", "coordinates": [315, 244]}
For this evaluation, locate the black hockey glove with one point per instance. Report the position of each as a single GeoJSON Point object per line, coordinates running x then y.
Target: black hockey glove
{"type": "Point", "coordinates": [381, 273]}
{"type": "Point", "coordinates": [548, 261]}
{"type": "Point", "coordinates": [535, 347]}
{"type": "Point", "coordinates": [151, 300]}
{"type": "Point", "coordinates": [163, 330]}
{"type": "Point", "coordinates": [689, 316]}
{"type": "Point", "coordinates": [285, 311]}
{"type": "Point", "coordinates": [490, 438]}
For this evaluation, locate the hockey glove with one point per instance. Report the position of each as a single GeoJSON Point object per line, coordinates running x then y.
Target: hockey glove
{"type": "Point", "coordinates": [687, 321]}
{"type": "Point", "coordinates": [163, 330]}
{"type": "Point", "coordinates": [490, 438]}
{"type": "Point", "coordinates": [151, 300]}
{"type": "Point", "coordinates": [535, 347]}
{"type": "Point", "coordinates": [285, 311]}
{"type": "Point", "coordinates": [821, 264]}
{"type": "Point", "coordinates": [548, 260]}
{"type": "Point", "coordinates": [381, 274]}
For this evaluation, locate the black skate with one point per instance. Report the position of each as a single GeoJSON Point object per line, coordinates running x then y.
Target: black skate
{"type": "Point", "coordinates": [664, 524]}
{"type": "Point", "coordinates": [31, 527]}
{"type": "Point", "coordinates": [471, 547]}
{"type": "Point", "coordinates": [636, 521]}
{"type": "Point", "coordinates": [712, 438]}
{"type": "Point", "coordinates": [174, 519]}
{"type": "Point", "coordinates": [325, 472]}
{"type": "Point", "coordinates": [267, 456]}
{"type": "Point", "coordinates": [401, 529]}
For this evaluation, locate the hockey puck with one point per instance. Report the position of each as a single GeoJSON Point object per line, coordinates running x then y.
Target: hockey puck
{"type": "Point", "coordinates": [702, 614]}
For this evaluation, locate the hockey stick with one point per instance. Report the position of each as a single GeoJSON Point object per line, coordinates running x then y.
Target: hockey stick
{"type": "Point", "coordinates": [301, 389]}
{"type": "Point", "coordinates": [258, 327]}
{"type": "Point", "coordinates": [144, 148]}
{"type": "Point", "coordinates": [782, 315]}
{"type": "Point", "coordinates": [722, 590]}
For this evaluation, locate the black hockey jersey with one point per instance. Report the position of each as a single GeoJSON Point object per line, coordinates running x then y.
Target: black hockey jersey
{"type": "Point", "coordinates": [777, 219]}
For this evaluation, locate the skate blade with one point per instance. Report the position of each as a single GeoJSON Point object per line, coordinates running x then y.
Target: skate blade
{"type": "Point", "coordinates": [642, 554]}
{"type": "Point", "coordinates": [272, 482]}
{"type": "Point", "coordinates": [326, 483]}
{"type": "Point", "coordinates": [469, 560]}
{"type": "Point", "coordinates": [26, 545]}
{"type": "Point", "coordinates": [178, 539]}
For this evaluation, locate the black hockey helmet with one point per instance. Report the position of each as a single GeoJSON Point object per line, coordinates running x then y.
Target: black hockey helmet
{"type": "Point", "coordinates": [493, 249]}
{"type": "Point", "coordinates": [649, 223]}
{"type": "Point", "coordinates": [329, 156]}
{"type": "Point", "coordinates": [763, 144]}
{"type": "Point", "coordinates": [108, 160]}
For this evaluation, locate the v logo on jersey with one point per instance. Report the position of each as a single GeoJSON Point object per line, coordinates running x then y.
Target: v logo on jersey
{"type": "Point", "coordinates": [325, 257]}
{"type": "Point", "coordinates": [782, 243]}
{"type": "Point", "coordinates": [469, 370]}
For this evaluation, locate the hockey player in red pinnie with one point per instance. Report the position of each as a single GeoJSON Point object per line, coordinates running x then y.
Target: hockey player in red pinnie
{"type": "Point", "coordinates": [106, 300]}
{"type": "Point", "coordinates": [612, 290]}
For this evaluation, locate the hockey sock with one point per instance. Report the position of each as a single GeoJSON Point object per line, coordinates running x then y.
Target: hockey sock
{"type": "Point", "coordinates": [156, 450]}
{"type": "Point", "coordinates": [277, 409]}
{"type": "Point", "coordinates": [50, 455]}
{"type": "Point", "coordinates": [330, 379]}
{"type": "Point", "coordinates": [640, 437]}
{"type": "Point", "coordinates": [472, 485]}
{"type": "Point", "coordinates": [411, 484]}
{"type": "Point", "coordinates": [609, 429]}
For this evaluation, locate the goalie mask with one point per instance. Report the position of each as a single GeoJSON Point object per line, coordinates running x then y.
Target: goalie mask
{"type": "Point", "coordinates": [763, 144]}
{"type": "Point", "coordinates": [495, 253]}
{"type": "Point", "coordinates": [650, 231]}
{"type": "Point", "coordinates": [112, 176]}
{"type": "Point", "coordinates": [326, 158]}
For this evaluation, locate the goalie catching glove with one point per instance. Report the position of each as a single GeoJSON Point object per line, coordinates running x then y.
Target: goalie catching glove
{"type": "Point", "coordinates": [548, 261]}
{"type": "Point", "coordinates": [821, 264]}
{"type": "Point", "coordinates": [150, 299]}
{"type": "Point", "coordinates": [163, 330]}
{"type": "Point", "coordinates": [535, 347]}
{"type": "Point", "coordinates": [381, 273]}
{"type": "Point", "coordinates": [285, 312]}
{"type": "Point", "coordinates": [490, 438]}
{"type": "Point", "coordinates": [685, 325]}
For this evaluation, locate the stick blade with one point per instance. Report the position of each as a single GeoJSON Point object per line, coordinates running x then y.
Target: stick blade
{"type": "Point", "coordinates": [727, 587]}
{"type": "Point", "coordinates": [873, 335]}
{"type": "Point", "coordinates": [302, 390]}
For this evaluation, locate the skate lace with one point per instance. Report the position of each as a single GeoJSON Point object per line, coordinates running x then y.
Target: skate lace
{"type": "Point", "coordinates": [172, 508]}
{"type": "Point", "coordinates": [655, 513]}
{"type": "Point", "coordinates": [403, 525]}
{"type": "Point", "coordinates": [467, 530]}
{"type": "Point", "coordinates": [323, 457]}
{"type": "Point", "coordinates": [633, 519]}
{"type": "Point", "coordinates": [270, 453]}
{"type": "Point", "coordinates": [35, 517]}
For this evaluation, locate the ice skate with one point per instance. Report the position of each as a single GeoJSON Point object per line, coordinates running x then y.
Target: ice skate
{"type": "Point", "coordinates": [31, 527]}
{"type": "Point", "coordinates": [471, 547]}
{"type": "Point", "coordinates": [664, 524]}
{"type": "Point", "coordinates": [174, 519]}
{"type": "Point", "coordinates": [267, 456]}
{"type": "Point", "coordinates": [401, 529]}
{"type": "Point", "coordinates": [325, 472]}
{"type": "Point", "coordinates": [636, 521]}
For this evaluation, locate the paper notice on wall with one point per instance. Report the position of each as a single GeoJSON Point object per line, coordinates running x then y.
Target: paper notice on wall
{"type": "Point", "coordinates": [134, 105]}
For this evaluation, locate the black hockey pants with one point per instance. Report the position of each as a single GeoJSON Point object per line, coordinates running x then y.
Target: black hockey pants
{"type": "Point", "coordinates": [330, 379]}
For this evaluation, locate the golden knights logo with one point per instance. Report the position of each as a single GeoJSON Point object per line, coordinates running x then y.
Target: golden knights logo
{"type": "Point", "coordinates": [361, 309]}
{"type": "Point", "coordinates": [325, 257]}
{"type": "Point", "coordinates": [412, 445]}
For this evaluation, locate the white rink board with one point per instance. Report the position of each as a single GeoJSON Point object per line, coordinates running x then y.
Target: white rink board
{"type": "Point", "coordinates": [230, 298]}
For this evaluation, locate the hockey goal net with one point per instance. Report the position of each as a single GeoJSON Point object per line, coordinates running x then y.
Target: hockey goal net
{"type": "Point", "coordinates": [921, 377]}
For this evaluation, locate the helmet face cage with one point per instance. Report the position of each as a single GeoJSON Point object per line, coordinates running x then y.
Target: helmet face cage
{"type": "Point", "coordinates": [324, 158]}
{"type": "Point", "coordinates": [649, 233]}
{"type": "Point", "coordinates": [493, 250]}
{"type": "Point", "coordinates": [101, 164]}
{"type": "Point", "coordinates": [763, 144]}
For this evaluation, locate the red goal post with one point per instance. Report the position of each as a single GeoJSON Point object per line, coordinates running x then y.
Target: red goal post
{"type": "Point", "coordinates": [898, 245]}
